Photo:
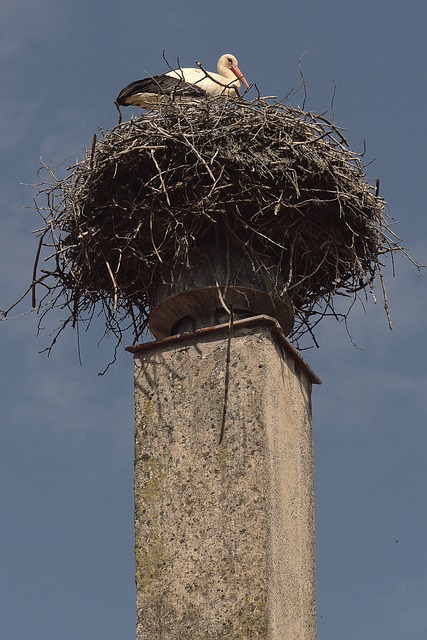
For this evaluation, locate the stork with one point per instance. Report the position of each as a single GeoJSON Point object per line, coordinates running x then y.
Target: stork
{"type": "Point", "coordinates": [185, 84]}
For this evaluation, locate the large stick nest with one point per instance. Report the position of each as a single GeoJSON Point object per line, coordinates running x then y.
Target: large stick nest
{"type": "Point", "coordinates": [275, 181]}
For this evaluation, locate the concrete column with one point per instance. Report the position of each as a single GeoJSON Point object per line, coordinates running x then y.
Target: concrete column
{"type": "Point", "coordinates": [224, 507]}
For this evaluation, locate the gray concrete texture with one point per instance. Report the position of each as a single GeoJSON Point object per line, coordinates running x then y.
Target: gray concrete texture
{"type": "Point", "coordinates": [224, 506]}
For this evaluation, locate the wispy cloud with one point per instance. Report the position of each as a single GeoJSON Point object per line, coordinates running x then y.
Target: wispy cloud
{"type": "Point", "coordinates": [56, 395]}
{"type": "Point", "coordinates": [381, 382]}
{"type": "Point", "coordinates": [23, 21]}
{"type": "Point", "coordinates": [405, 607]}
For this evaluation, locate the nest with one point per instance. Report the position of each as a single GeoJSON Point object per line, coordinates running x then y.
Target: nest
{"type": "Point", "coordinates": [276, 182]}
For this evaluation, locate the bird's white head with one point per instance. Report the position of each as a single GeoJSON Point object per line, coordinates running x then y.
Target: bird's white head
{"type": "Point", "coordinates": [228, 62]}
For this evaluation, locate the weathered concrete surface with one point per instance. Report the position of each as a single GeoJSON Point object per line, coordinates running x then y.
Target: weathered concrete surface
{"type": "Point", "coordinates": [224, 531]}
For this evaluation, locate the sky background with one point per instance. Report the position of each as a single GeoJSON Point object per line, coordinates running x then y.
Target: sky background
{"type": "Point", "coordinates": [66, 437]}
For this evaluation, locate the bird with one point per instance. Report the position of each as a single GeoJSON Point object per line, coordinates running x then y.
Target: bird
{"type": "Point", "coordinates": [185, 85]}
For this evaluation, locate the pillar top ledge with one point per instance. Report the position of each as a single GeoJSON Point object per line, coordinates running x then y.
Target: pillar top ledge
{"type": "Point", "coordinates": [234, 327]}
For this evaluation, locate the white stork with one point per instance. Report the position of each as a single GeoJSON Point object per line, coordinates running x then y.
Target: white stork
{"type": "Point", "coordinates": [185, 85]}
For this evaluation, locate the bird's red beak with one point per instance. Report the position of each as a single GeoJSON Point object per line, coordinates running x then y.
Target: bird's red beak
{"type": "Point", "coordinates": [240, 76]}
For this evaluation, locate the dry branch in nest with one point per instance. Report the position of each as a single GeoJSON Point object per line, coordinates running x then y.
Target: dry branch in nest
{"type": "Point", "coordinates": [276, 182]}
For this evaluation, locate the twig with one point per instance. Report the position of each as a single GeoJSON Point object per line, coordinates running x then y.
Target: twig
{"type": "Point", "coordinates": [36, 261]}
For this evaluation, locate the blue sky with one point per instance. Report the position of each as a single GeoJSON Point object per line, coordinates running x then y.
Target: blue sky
{"type": "Point", "coordinates": [66, 467]}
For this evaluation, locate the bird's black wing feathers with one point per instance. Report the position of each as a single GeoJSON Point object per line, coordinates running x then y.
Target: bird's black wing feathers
{"type": "Point", "coordinates": [161, 85]}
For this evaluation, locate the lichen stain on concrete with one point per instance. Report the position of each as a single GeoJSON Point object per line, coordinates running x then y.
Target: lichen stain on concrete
{"type": "Point", "coordinates": [148, 408]}
{"type": "Point", "coordinates": [250, 621]}
{"type": "Point", "coordinates": [149, 562]}
{"type": "Point", "coordinates": [208, 566]}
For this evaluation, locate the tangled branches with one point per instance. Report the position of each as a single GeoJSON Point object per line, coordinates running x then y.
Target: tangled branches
{"type": "Point", "coordinates": [274, 181]}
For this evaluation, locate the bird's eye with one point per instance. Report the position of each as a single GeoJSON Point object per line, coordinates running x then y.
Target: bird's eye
{"type": "Point", "coordinates": [230, 60]}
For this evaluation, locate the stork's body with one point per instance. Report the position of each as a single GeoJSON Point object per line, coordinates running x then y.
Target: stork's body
{"type": "Point", "coordinates": [185, 85]}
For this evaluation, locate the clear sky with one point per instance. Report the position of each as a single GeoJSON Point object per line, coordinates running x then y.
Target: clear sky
{"type": "Point", "coordinates": [66, 461]}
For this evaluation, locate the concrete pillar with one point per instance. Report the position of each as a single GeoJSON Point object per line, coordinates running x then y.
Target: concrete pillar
{"type": "Point", "coordinates": [224, 507]}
